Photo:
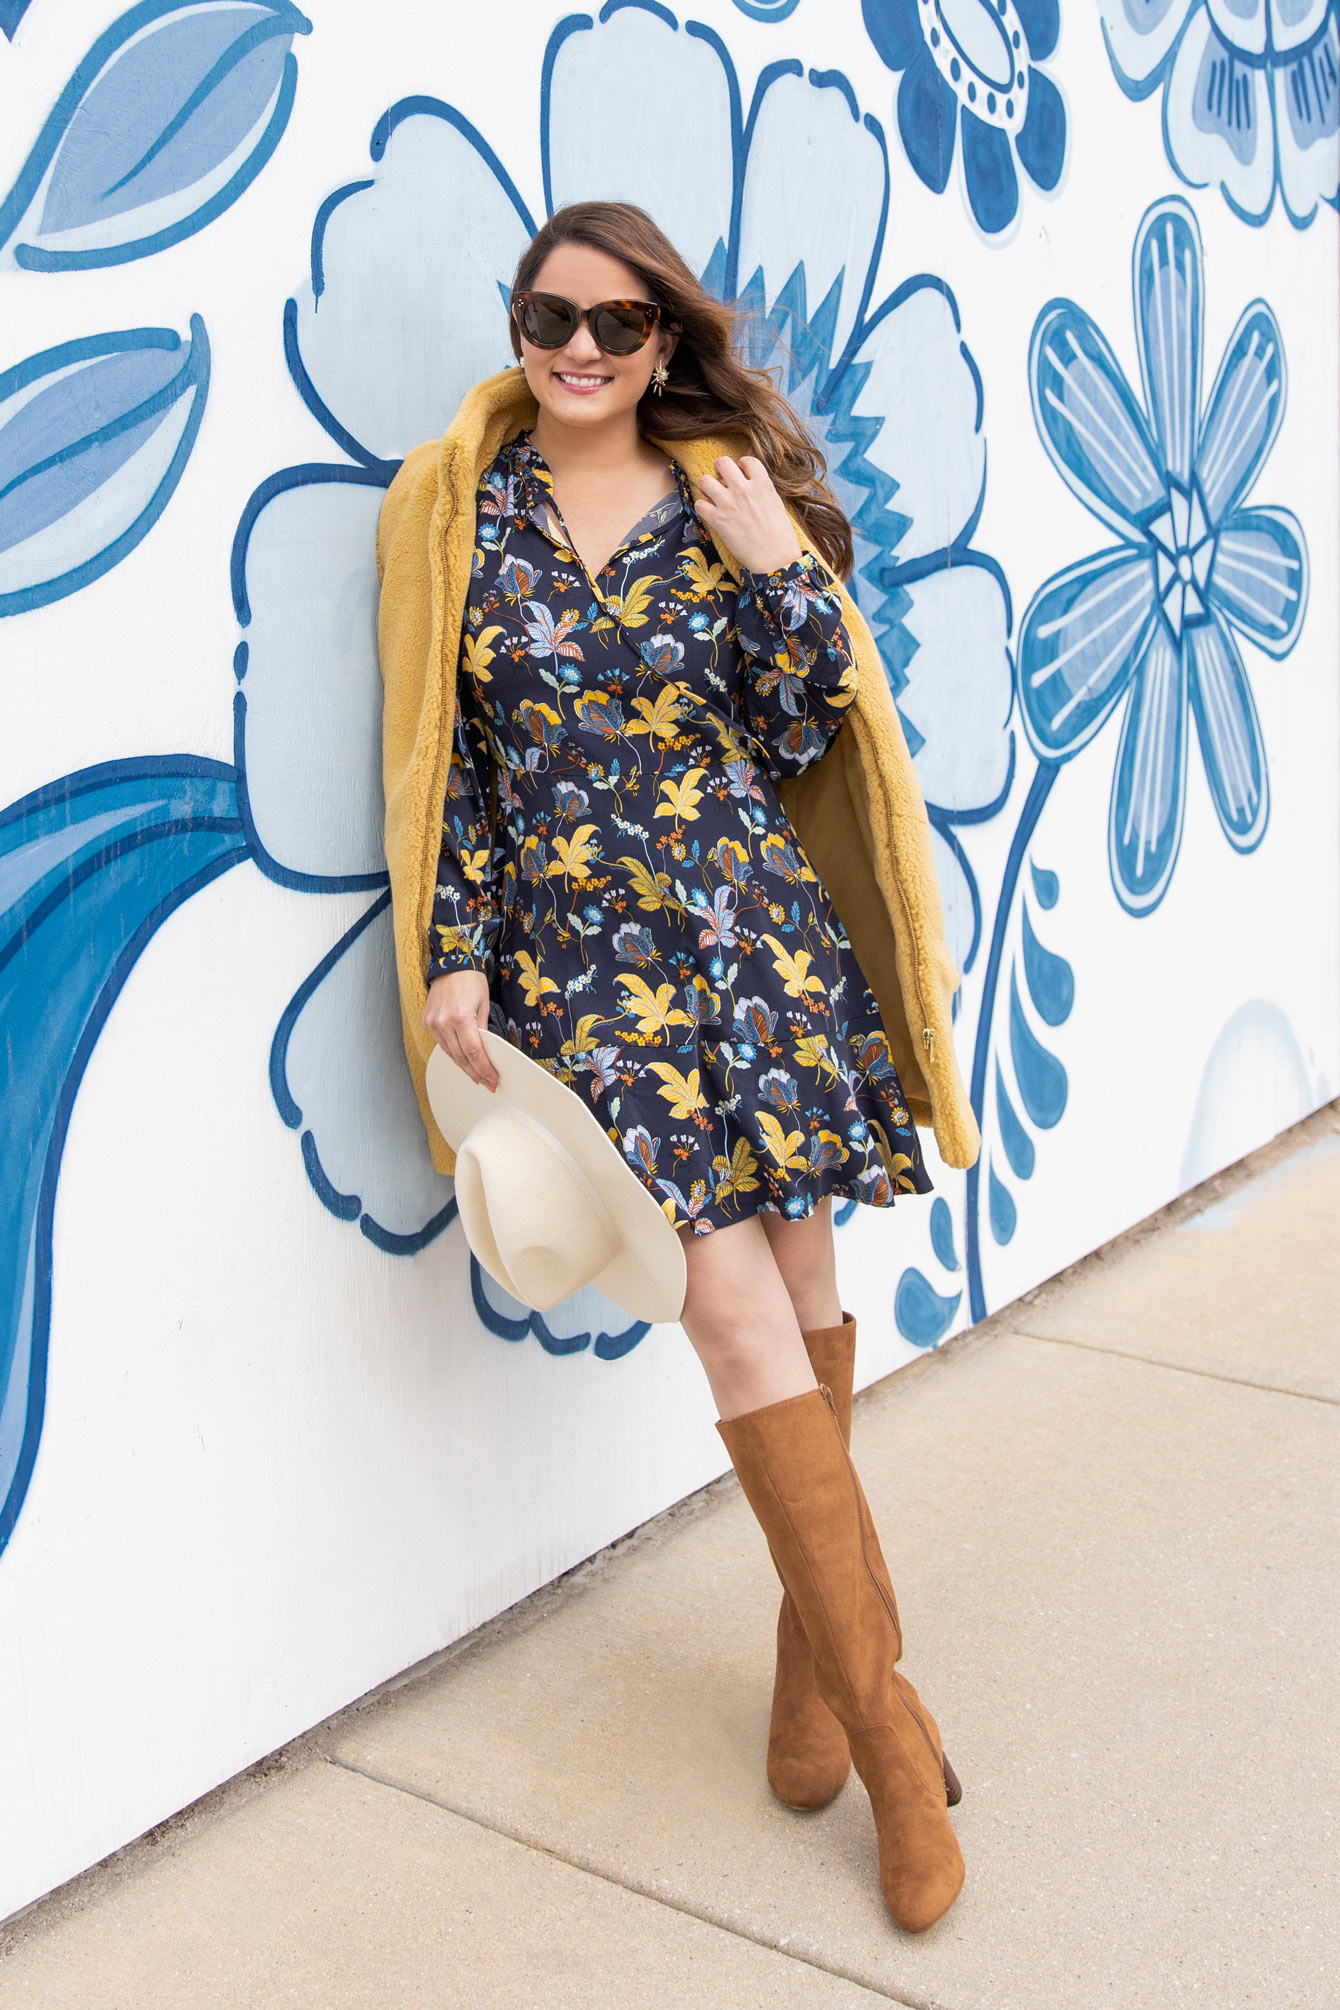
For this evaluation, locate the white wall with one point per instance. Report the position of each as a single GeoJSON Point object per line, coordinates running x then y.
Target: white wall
{"type": "Point", "coordinates": [274, 1462]}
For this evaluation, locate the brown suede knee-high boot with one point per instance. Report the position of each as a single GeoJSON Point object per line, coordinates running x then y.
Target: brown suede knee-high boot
{"type": "Point", "coordinates": [801, 1484]}
{"type": "Point", "coordinates": [808, 1760]}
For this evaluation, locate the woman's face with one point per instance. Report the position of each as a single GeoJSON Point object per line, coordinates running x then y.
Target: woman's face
{"type": "Point", "coordinates": [578, 384]}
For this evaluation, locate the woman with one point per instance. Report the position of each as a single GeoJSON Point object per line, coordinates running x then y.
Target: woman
{"type": "Point", "coordinates": [643, 669]}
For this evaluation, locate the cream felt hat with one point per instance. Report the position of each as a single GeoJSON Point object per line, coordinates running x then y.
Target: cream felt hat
{"type": "Point", "coordinates": [546, 1198]}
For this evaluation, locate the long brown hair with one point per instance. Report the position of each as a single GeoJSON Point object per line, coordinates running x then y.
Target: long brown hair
{"type": "Point", "coordinates": [710, 389]}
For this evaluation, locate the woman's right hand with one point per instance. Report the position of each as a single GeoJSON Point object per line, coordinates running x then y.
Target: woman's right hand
{"type": "Point", "coordinates": [457, 1009]}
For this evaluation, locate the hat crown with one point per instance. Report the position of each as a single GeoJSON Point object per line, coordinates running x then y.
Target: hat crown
{"type": "Point", "coordinates": [543, 1219]}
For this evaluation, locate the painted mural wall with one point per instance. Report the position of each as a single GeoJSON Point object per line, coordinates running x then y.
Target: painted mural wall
{"type": "Point", "coordinates": [1055, 283]}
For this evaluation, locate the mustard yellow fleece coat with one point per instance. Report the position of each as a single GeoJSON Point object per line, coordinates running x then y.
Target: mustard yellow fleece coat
{"type": "Point", "coordinates": [857, 810]}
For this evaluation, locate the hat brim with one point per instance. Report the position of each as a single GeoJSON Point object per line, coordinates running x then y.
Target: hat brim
{"type": "Point", "coordinates": [648, 1277]}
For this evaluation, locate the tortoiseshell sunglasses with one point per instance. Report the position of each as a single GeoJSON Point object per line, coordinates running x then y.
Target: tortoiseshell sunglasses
{"type": "Point", "coordinates": [618, 327]}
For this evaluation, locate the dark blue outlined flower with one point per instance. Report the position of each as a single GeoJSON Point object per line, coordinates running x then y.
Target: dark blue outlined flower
{"type": "Point", "coordinates": [1251, 94]}
{"type": "Point", "coordinates": [969, 73]}
{"type": "Point", "coordinates": [1153, 618]}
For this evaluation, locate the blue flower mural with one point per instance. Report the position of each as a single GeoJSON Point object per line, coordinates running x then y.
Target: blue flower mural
{"type": "Point", "coordinates": [94, 436]}
{"type": "Point", "coordinates": [173, 112]}
{"type": "Point", "coordinates": [784, 209]}
{"type": "Point", "coordinates": [1251, 94]}
{"type": "Point", "coordinates": [970, 78]}
{"type": "Point", "coordinates": [11, 13]}
{"type": "Point", "coordinates": [1154, 618]}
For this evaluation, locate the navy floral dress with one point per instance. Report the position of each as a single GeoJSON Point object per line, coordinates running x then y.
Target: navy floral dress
{"type": "Point", "coordinates": [650, 926]}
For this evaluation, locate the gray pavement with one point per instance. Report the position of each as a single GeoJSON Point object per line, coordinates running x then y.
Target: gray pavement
{"type": "Point", "coordinates": [1111, 1518]}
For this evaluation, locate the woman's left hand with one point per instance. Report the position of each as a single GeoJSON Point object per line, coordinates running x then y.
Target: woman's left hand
{"type": "Point", "coordinates": [741, 505]}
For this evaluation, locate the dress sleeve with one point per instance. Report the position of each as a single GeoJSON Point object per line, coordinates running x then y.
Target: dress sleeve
{"type": "Point", "coordinates": [798, 671]}
{"type": "Point", "coordinates": [467, 914]}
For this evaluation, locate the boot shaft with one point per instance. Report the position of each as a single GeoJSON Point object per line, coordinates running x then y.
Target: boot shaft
{"type": "Point", "coordinates": [832, 1352]}
{"type": "Point", "coordinates": [806, 1495]}
{"type": "Point", "coordinates": [797, 1476]}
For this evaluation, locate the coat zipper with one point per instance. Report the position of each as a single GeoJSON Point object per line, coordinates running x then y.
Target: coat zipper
{"type": "Point", "coordinates": [865, 1558]}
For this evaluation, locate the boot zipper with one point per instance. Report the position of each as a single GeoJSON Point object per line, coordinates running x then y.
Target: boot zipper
{"type": "Point", "coordinates": [870, 1570]}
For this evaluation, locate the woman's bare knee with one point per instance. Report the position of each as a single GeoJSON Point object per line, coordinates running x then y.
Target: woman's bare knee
{"type": "Point", "coordinates": [807, 1263]}
{"type": "Point", "coordinates": [740, 1320]}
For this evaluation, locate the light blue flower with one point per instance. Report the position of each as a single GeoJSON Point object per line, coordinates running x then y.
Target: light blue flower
{"type": "Point", "coordinates": [969, 67]}
{"type": "Point", "coordinates": [94, 435]}
{"type": "Point", "coordinates": [784, 211]}
{"type": "Point", "coordinates": [171, 115]}
{"type": "Point", "coordinates": [1251, 94]}
{"type": "Point", "coordinates": [1154, 616]}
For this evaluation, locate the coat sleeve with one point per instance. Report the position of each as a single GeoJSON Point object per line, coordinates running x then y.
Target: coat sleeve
{"type": "Point", "coordinates": [798, 674]}
{"type": "Point", "coordinates": [467, 911]}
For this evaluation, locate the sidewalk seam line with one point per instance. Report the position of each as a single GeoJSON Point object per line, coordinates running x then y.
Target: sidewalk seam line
{"type": "Point", "coordinates": [1175, 1367]}
{"type": "Point", "coordinates": [623, 1884]}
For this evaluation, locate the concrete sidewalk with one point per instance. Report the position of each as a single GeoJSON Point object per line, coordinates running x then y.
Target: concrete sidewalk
{"type": "Point", "coordinates": [1111, 1518]}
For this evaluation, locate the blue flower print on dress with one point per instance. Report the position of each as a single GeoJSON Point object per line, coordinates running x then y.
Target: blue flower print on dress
{"type": "Point", "coordinates": [969, 73]}
{"type": "Point", "coordinates": [784, 210]}
{"type": "Point", "coordinates": [173, 112]}
{"type": "Point", "coordinates": [1251, 94]}
{"type": "Point", "coordinates": [1155, 617]}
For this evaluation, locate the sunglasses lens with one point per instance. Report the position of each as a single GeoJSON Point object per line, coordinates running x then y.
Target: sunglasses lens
{"type": "Point", "coordinates": [546, 320]}
{"type": "Point", "coordinates": [620, 328]}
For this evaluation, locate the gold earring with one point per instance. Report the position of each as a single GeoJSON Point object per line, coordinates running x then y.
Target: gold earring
{"type": "Point", "coordinates": [660, 377]}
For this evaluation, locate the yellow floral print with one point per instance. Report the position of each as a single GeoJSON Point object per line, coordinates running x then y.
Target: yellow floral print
{"type": "Point", "coordinates": [529, 972]}
{"type": "Point", "coordinates": [794, 968]}
{"type": "Point", "coordinates": [573, 855]}
{"type": "Point", "coordinates": [782, 1144]}
{"type": "Point", "coordinates": [478, 655]}
{"type": "Point", "coordinates": [685, 1096]}
{"type": "Point", "coordinates": [681, 798]}
{"type": "Point", "coordinates": [652, 1010]}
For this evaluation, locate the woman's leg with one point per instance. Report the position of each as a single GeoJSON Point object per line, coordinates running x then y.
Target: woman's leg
{"type": "Point", "coordinates": [740, 1318]}
{"type": "Point", "coordinates": [808, 1759]}
{"type": "Point", "coordinates": [804, 1254]}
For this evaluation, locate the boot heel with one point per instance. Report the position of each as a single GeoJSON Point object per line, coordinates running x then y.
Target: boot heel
{"type": "Point", "coordinates": [953, 1791]}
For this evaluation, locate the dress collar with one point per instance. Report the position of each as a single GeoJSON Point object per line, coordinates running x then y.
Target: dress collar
{"type": "Point", "coordinates": [535, 494]}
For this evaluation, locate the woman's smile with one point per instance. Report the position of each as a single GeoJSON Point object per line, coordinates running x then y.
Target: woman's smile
{"type": "Point", "coordinates": [581, 381]}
